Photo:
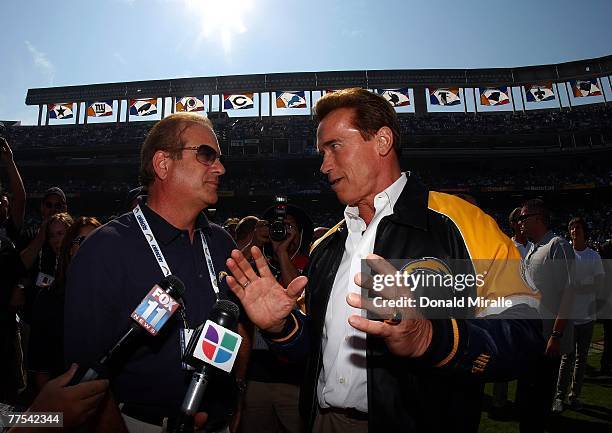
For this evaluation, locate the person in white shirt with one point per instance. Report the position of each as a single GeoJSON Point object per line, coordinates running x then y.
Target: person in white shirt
{"type": "Point", "coordinates": [589, 277]}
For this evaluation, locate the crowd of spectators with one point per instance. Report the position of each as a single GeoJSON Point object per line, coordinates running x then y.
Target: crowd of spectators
{"type": "Point", "coordinates": [592, 118]}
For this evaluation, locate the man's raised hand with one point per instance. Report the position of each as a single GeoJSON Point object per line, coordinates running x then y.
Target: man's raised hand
{"type": "Point", "coordinates": [265, 301]}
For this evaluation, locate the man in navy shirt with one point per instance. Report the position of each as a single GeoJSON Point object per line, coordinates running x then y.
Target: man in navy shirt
{"type": "Point", "coordinates": [116, 267]}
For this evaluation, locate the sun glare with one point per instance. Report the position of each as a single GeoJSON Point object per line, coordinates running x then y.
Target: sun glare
{"type": "Point", "coordinates": [220, 19]}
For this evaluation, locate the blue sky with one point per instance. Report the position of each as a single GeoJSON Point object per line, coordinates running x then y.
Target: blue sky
{"type": "Point", "coordinates": [71, 42]}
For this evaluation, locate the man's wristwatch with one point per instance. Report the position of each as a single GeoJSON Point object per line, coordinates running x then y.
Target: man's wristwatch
{"type": "Point", "coordinates": [556, 334]}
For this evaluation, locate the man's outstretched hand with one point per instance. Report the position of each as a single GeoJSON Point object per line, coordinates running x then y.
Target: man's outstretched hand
{"type": "Point", "coordinates": [265, 301]}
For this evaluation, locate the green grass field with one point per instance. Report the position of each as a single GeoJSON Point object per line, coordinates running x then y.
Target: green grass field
{"type": "Point", "coordinates": [595, 417]}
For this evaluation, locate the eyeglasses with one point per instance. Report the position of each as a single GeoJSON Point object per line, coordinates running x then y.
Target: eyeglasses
{"type": "Point", "coordinates": [56, 205]}
{"type": "Point", "coordinates": [206, 154]}
{"type": "Point", "coordinates": [522, 218]}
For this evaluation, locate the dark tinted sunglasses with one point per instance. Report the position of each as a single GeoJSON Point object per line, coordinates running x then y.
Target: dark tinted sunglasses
{"type": "Point", "coordinates": [522, 218]}
{"type": "Point", "coordinates": [206, 154]}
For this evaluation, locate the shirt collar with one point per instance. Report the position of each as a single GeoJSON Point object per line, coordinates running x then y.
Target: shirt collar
{"type": "Point", "coordinates": [166, 232]}
{"type": "Point", "coordinates": [385, 199]}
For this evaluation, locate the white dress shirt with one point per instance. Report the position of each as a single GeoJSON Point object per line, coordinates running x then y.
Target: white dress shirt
{"type": "Point", "coordinates": [343, 378]}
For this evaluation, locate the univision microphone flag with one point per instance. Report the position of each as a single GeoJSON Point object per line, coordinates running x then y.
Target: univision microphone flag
{"type": "Point", "coordinates": [218, 346]}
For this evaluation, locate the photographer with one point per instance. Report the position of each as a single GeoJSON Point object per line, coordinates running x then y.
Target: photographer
{"type": "Point", "coordinates": [289, 253]}
{"type": "Point", "coordinates": [272, 395]}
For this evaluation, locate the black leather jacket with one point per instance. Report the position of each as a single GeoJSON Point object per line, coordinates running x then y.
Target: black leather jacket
{"type": "Point", "coordinates": [441, 390]}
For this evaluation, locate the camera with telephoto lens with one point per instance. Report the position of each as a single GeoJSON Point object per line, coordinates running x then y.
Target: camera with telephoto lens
{"type": "Point", "coordinates": [278, 230]}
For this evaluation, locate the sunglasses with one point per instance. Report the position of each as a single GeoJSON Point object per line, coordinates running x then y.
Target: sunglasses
{"type": "Point", "coordinates": [522, 218]}
{"type": "Point", "coordinates": [206, 154]}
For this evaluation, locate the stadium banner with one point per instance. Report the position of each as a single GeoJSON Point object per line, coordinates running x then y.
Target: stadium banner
{"type": "Point", "coordinates": [291, 99]}
{"type": "Point", "coordinates": [444, 96]}
{"type": "Point", "coordinates": [238, 101]}
{"type": "Point", "coordinates": [583, 88]}
{"type": "Point", "coordinates": [100, 108]}
{"type": "Point", "coordinates": [493, 96]}
{"type": "Point", "coordinates": [143, 107]}
{"type": "Point", "coordinates": [190, 103]}
{"type": "Point", "coordinates": [396, 97]}
{"type": "Point", "coordinates": [539, 92]}
{"type": "Point", "coordinates": [61, 110]}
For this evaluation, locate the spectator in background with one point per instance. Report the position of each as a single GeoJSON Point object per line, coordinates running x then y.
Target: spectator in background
{"type": "Point", "coordinates": [288, 258]}
{"type": "Point", "coordinates": [251, 231]}
{"type": "Point", "coordinates": [273, 383]}
{"type": "Point", "coordinates": [549, 270]}
{"type": "Point", "coordinates": [11, 214]}
{"type": "Point", "coordinates": [604, 310]}
{"type": "Point", "coordinates": [589, 278]}
{"type": "Point", "coordinates": [500, 389]}
{"type": "Point", "coordinates": [46, 344]}
{"type": "Point", "coordinates": [40, 257]}
{"type": "Point", "coordinates": [518, 235]}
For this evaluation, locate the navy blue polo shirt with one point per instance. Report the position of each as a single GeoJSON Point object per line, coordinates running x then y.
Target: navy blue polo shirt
{"type": "Point", "coordinates": [112, 272]}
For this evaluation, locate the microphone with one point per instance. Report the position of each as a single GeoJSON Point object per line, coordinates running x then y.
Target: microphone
{"type": "Point", "coordinates": [156, 308]}
{"type": "Point", "coordinates": [214, 346]}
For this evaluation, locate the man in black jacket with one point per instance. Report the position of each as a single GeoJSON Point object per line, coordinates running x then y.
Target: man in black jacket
{"type": "Point", "coordinates": [408, 373]}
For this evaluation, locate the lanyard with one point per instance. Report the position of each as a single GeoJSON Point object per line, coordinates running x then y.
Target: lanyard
{"type": "Point", "coordinates": [161, 260]}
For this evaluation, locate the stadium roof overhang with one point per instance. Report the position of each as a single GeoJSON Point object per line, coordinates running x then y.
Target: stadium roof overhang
{"type": "Point", "coordinates": [561, 72]}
